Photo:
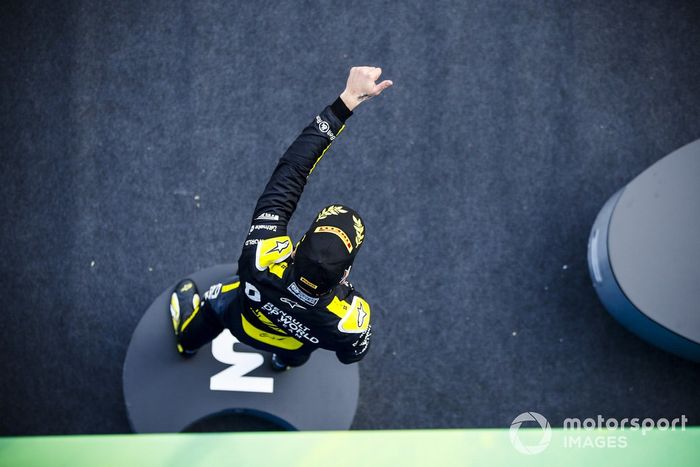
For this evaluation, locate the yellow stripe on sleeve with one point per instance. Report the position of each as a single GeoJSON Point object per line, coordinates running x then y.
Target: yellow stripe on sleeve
{"type": "Point", "coordinates": [324, 151]}
{"type": "Point", "coordinates": [230, 287]}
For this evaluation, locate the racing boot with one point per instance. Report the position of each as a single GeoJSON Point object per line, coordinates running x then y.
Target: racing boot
{"type": "Point", "coordinates": [184, 305]}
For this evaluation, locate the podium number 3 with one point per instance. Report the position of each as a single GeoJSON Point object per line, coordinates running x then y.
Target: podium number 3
{"type": "Point", "coordinates": [234, 378]}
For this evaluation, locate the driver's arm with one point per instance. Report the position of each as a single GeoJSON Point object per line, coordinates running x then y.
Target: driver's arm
{"type": "Point", "coordinates": [282, 192]}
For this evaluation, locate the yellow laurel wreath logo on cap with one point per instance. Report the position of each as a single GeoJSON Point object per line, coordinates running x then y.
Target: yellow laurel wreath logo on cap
{"type": "Point", "coordinates": [359, 230]}
{"type": "Point", "coordinates": [331, 211]}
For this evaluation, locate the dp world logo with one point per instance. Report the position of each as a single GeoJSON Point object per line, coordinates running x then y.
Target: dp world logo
{"type": "Point", "coordinates": [530, 448]}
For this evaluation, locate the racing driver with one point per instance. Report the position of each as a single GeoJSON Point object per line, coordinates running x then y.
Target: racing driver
{"type": "Point", "coordinates": [291, 300]}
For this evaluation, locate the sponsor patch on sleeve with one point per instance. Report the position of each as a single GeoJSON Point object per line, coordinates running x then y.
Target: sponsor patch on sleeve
{"type": "Point", "coordinates": [267, 216]}
{"type": "Point", "coordinates": [272, 250]}
{"type": "Point", "coordinates": [324, 127]}
{"type": "Point", "coordinates": [354, 317]}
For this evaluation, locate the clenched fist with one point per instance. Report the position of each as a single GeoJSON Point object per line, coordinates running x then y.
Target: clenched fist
{"type": "Point", "coordinates": [362, 85]}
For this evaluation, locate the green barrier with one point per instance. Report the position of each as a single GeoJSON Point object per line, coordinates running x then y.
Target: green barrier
{"type": "Point", "coordinates": [359, 448]}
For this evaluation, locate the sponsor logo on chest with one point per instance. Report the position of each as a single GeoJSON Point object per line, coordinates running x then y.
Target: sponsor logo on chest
{"type": "Point", "coordinates": [304, 297]}
{"type": "Point", "coordinates": [289, 323]}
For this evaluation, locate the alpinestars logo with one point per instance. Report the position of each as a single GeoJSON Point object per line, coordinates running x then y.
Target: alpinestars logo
{"type": "Point", "coordinates": [361, 314]}
{"type": "Point", "coordinates": [279, 247]}
{"type": "Point", "coordinates": [292, 304]}
{"type": "Point", "coordinates": [324, 127]}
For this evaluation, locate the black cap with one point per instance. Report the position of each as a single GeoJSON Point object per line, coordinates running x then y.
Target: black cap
{"type": "Point", "coordinates": [328, 248]}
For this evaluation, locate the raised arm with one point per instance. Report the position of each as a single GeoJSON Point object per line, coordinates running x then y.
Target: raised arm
{"type": "Point", "coordinates": [281, 195]}
{"type": "Point", "coordinates": [283, 190]}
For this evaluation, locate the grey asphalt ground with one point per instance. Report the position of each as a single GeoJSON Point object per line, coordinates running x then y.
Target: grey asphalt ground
{"type": "Point", "coordinates": [136, 136]}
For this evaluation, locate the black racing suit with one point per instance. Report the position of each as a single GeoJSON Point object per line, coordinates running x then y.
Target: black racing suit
{"type": "Point", "coordinates": [263, 306]}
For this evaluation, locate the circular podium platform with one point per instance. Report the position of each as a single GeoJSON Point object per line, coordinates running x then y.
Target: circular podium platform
{"type": "Point", "coordinates": [644, 253]}
{"type": "Point", "coordinates": [166, 393]}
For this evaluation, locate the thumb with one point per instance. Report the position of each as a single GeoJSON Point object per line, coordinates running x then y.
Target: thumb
{"type": "Point", "coordinates": [381, 86]}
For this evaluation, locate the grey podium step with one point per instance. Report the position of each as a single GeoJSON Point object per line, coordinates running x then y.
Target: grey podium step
{"type": "Point", "coordinates": [166, 393]}
{"type": "Point", "coordinates": [644, 253]}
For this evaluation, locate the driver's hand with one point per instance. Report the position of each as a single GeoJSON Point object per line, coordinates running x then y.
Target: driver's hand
{"type": "Point", "coordinates": [362, 85]}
